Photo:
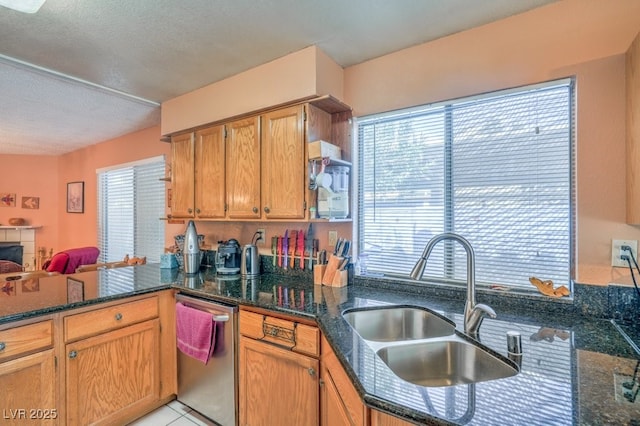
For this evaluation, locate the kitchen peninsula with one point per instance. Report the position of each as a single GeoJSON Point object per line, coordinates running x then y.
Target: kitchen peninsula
{"type": "Point", "coordinates": [574, 370]}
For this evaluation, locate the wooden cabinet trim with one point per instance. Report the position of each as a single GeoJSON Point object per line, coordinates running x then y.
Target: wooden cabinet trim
{"type": "Point", "coordinates": [285, 333]}
{"type": "Point", "coordinates": [335, 377]}
{"type": "Point", "coordinates": [25, 339]}
{"type": "Point", "coordinates": [101, 320]}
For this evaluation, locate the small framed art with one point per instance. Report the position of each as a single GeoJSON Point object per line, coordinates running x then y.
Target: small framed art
{"type": "Point", "coordinates": [75, 197]}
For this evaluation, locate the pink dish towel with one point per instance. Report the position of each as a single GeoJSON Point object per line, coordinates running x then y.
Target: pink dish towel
{"type": "Point", "coordinates": [195, 332]}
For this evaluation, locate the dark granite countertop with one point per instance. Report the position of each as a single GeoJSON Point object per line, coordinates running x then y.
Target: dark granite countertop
{"type": "Point", "coordinates": [574, 369]}
{"type": "Point", "coordinates": [41, 296]}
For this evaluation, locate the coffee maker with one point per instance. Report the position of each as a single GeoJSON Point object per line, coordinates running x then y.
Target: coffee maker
{"type": "Point", "coordinates": [228, 257]}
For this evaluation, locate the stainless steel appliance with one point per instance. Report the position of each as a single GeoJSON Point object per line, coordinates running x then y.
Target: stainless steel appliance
{"type": "Point", "coordinates": [250, 261]}
{"type": "Point", "coordinates": [212, 389]}
{"type": "Point", "coordinates": [228, 257]}
{"type": "Point", "coordinates": [191, 251]}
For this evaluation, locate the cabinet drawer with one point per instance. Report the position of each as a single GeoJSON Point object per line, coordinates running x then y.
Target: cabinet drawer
{"type": "Point", "coordinates": [24, 339]}
{"type": "Point", "coordinates": [101, 320]}
{"type": "Point", "coordinates": [286, 333]}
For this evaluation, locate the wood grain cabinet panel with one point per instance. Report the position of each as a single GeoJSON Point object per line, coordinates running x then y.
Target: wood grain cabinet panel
{"type": "Point", "coordinates": [209, 176]}
{"type": "Point", "coordinates": [27, 390]}
{"type": "Point", "coordinates": [277, 386]}
{"type": "Point", "coordinates": [243, 169]}
{"type": "Point", "coordinates": [25, 339]}
{"type": "Point", "coordinates": [378, 418]}
{"type": "Point", "coordinates": [113, 317]}
{"type": "Point", "coordinates": [278, 380]}
{"type": "Point", "coordinates": [182, 176]}
{"type": "Point", "coordinates": [633, 132]}
{"type": "Point", "coordinates": [284, 164]}
{"type": "Point", "coordinates": [109, 376]}
{"type": "Point", "coordinates": [339, 401]}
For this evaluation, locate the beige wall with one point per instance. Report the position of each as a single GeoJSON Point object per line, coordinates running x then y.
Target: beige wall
{"type": "Point", "coordinates": [47, 177]}
{"type": "Point", "coordinates": [33, 176]}
{"type": "Point", "coordinates": [585, 39]}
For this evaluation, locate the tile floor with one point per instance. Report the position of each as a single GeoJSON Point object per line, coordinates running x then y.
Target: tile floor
{"type": "Point", "coordinates": [174, 413]}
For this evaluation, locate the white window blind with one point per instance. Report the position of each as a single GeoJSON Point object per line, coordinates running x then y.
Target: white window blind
{"type": "Point", "coordinates": [130, 205]}
{"type": "Point", "coordinates": [496, 169]}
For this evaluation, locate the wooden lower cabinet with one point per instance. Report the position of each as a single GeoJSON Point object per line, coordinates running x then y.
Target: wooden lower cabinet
{"type": "Point", "coordinates": [340, 403]}
{"type": "Point", "coordinates": [111, 375]}
{"type": "Point", "coordinates": [378, 418]}
{"type": "Point", "coordinates": [277, 386]}
{"type": "Point", "coordinates": [27, 390]}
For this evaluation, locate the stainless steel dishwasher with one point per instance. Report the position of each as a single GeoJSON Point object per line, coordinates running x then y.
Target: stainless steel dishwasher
{"type": "Point", "coordinates": [212, 389]}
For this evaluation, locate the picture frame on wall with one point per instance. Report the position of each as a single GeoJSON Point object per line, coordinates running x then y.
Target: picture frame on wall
{"type": "Point", "coordinates": [75, 197]}
{"type": "Point", "coordinates": [75, 290]}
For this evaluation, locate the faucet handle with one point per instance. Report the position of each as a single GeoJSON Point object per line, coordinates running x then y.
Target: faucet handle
{"type": "Point", "coordinates": [477, 314]}
{"type": "Point", "coordinates": [488, 310]}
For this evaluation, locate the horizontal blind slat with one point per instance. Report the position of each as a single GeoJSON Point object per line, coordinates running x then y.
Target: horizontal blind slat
{"type": "Point", "coordinates": [496, 169]}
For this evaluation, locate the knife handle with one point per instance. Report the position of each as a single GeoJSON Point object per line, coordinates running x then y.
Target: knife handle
{"type": "Point", "coordinates": [279, 252]}
{"type": "Point", "coordinates": [274, 249]}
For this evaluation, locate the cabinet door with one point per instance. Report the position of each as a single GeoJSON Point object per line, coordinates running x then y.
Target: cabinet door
{"type": "Point", "coordinates": [277, 386]}
{"type": "Point", "coordinates": [379, 418]}
{"type": "Point", "coordinates": [243, 169]}
{"type": "Point", "coordinates": [284, 164]}
{"type": "Point", "coordinates": [210, 173]}
{"type": "Point", "coordinates": [109, 376]}
{"type": "Point", "coordinates": [339, 401]}
{"type": "Point", "coordinates": [333, 411]}
{"type": "Point", "coordinates": [27, 394]}
{"type": "Point", "coordinates": [182, 176]}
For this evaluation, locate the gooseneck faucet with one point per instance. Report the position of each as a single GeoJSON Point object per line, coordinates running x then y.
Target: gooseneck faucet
{"type": "Point", "coordinates": [473, 312]}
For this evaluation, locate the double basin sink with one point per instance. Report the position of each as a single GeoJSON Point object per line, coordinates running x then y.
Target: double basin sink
{"type": "Point", "coordinates": [423, 347]}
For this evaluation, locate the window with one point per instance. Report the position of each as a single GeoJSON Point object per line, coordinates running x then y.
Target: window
{"type": "Point", "coordinates": [496, 169]}
{"type": "Point", "coordinates": [130, 205]}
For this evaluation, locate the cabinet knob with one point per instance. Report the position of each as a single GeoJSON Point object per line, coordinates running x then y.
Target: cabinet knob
{"type": "Point", "coordinates": [2, 346]}
{"type": "Point", "coordinates": [118, 316]}
{"type": "Point", "coordinates": [198, 211]}
{"type": "Point", "coordinates": [73, 354]}
{"type": "Point", "coordinates": [255, 210]}
{"type": "Point", "coordinates": [312, 371]}
{"type": "Point", "coordinates": [189, 210]}
{"type": "Point", "coordinates": [267, 210]}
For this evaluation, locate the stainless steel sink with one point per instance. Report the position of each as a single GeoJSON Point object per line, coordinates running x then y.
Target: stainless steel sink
{"type": "Point", "coordinates": [445, 362]}
{"type": "Point", "coordinates": [395, 323]}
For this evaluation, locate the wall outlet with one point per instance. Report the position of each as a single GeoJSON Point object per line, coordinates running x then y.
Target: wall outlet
{"type": "Point", "coordinates": [333, 238]}
{"type": "Point", "coordinates": [260, 241]}
{"type": "Point", "coordinates": [616, 252]}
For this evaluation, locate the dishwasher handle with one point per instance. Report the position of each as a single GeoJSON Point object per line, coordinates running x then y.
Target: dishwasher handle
{"type": "Point", "coordinates": [204, 307]}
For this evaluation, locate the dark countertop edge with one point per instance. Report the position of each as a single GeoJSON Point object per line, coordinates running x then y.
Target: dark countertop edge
{"type": "Point", "coordinates": [60, 308]}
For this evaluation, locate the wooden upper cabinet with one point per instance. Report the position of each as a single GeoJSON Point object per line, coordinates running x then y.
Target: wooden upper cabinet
{"type": "Point", "coordinates": [633, 132]}
{"type": "Point", "coordinates": [284, 164]}
{"type": "Point", "coordinates": [210, 173]}
{"type": "Point", "coordinates": [182, 172]}
{"type": "Point", "coordinates": [243, 169]}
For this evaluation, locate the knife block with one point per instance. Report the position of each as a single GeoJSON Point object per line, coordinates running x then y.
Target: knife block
{"type": "Point", "coordinates": [333, 276]}
{"type": "Point", "coordinates": [318, 273]}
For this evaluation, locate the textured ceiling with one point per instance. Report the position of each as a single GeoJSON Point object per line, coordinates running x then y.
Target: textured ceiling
{"type": "Point", "coordinates": [149, 51]}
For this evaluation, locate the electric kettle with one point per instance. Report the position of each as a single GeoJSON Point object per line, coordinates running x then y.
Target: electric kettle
{"type": "Point", "coordinates": [249, 261]}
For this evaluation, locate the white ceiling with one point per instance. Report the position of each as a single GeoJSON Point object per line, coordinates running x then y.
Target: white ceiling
{"type": "Point", "coordinates": [79, 72]}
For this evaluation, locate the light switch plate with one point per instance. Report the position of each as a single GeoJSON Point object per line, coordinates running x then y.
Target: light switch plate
{"type": "Point", "coordinates": [333, 238]}
{"type": "Point", "coordinates": [616, 252]}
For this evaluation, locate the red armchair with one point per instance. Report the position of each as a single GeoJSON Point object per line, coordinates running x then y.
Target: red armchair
{"type": "Point", "coordinates": [67, 261]}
